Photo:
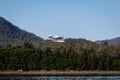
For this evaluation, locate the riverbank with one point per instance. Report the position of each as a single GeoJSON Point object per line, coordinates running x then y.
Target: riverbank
{"type": "Point", "coordinates": [58, 73]}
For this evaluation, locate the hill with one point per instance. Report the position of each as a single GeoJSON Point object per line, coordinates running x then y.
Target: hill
{"type": "Point", "coordinates": [113, 41]}
{"type": "Point", "coordinates": [69, 43]}
{"type": "Point", "coordinates": [11, 34]}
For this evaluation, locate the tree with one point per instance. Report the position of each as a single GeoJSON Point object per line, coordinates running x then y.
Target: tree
{"type": "Point", "coordinates": [28, 45]}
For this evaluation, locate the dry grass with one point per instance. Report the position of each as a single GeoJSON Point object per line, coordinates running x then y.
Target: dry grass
{"type": "Point", "coordinates": [58, 73]}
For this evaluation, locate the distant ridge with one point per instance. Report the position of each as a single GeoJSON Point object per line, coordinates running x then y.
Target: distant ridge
{"type": "Point", "coordinates": [113, 41]}
{"type": "Point", "coordinates": [11, 34]}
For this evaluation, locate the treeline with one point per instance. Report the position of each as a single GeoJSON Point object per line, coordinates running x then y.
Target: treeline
{"type": "Point", "coordinates": [59, 56]}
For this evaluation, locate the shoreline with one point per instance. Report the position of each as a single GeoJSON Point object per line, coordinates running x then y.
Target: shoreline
{"type": "Point", "coordinates": [60, 73]}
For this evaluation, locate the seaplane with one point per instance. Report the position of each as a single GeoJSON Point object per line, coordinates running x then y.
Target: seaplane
{"type": "Point", "coordinates": [56, 38]}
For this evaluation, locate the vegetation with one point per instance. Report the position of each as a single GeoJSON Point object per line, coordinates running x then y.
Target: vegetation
{"type": "Point", "coordinates": [60, 56]}
{"type": "Point", "coordinates": [18, 51]}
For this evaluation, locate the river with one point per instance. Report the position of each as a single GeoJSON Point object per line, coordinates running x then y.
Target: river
{"type": "Point", "coordinates": [59, 77]}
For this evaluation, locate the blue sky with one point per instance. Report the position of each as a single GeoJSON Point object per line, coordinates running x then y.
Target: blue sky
{"type": "Point", "coordinates": [90, 19]}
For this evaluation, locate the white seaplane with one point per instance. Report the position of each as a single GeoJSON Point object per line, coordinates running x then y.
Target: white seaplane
{"type": "Point", "coordinates": [56, 38]}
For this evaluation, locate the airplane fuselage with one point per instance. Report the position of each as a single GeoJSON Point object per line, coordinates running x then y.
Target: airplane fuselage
{"type": "Point", "coordinates": [56, 38]}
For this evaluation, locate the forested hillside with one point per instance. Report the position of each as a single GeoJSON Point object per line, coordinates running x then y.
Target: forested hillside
{"type": "Point", "coordinates": [113, 41]}
{"type": "Point", "coordinates": [59, 56]}
{"type": "Point", "coordinates": [11, 34]}
{"type": "Point", "coordinates": [26, 51]}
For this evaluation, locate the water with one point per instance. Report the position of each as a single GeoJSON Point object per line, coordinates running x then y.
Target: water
{"type": "Point", "coordinates": [60, 78]}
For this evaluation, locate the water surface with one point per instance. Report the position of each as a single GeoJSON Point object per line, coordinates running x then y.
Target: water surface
{"type": "Point", "coordinates": [59, 77]}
